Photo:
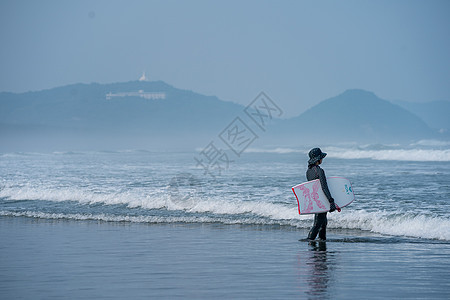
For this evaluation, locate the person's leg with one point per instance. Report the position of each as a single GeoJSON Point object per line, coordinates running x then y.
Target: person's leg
{"type": "Point", "coordinates": [323, 227]}
{"type": "Point", "coordinates": [318, 220]}
{"type": "Point", "coordinates": [314, 230]}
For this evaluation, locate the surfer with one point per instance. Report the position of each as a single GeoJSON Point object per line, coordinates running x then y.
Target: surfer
{"type": "Point", "coordinates": [316, 172]}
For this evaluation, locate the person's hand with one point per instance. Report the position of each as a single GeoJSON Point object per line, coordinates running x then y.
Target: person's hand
{"type": "Point", "coordinates": [332, 207]}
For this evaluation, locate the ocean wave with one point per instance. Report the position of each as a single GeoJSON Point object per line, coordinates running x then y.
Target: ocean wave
{"type": "Point", "coordinates": [377, 152]}
{"type": "Point", "coordinates": [217, 207]}
{"type": "Point", "coordinates": [393, 155]}
{"type": "Point", "coordinates": [394, 223]}
{"type": "Point", "coordinates": [432, 143]}
{"type": "Point", "coordinates": [150, 199]}
{"type": "Point", "coordinates": [21, 154]}
{"type": "Point", "coordinates": [146, 219]}
{"type": "Point", "coordinates": [278, 150]}
{"type": "Point", "coordinates": [406, 224]}
{"type": "Point", "coordinates": [420, 151]}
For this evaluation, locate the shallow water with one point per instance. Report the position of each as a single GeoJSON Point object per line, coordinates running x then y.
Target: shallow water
{"type": "Point", "coordinates": [136, 224]}
{"type": "Point", "coordinates": [46, 259]}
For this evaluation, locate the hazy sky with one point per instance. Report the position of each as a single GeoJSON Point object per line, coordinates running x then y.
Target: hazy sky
{"type": "Point", "coordinates": [298, 52]}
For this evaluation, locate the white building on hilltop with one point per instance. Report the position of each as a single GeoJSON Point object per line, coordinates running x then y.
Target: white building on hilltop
{"type": "Point", "coordinates": [143, 77]}
{"type": "Point", "coordinates": [140, 93]}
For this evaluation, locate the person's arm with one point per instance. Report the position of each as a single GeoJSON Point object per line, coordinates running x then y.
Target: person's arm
{"type": "Point", "coordinates": [323, 183]}
{"type": "Point", "coordinates": [326, 191]}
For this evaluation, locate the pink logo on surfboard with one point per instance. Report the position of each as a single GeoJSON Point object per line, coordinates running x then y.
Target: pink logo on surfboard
{"type": "Point", "coordinates": [312, 200]}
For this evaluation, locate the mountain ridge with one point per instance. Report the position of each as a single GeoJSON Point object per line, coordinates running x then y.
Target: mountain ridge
{"type": "Point", "coordinates": [434, 113]}
{"type": "Point", "coordinates": [359, 115]}
{"type": "Point", "coordinates": [82, 115]}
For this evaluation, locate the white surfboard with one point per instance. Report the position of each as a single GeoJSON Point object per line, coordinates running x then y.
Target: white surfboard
{"type": "Point", "coordinates": [312, 200]}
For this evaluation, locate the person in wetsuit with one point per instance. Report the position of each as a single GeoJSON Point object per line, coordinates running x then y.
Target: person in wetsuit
{"type": "Point", "coordinates": [316, 172]}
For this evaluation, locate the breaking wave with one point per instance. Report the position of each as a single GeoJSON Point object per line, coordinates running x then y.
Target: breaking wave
{"type": "Point", "coordinates": [426, 151]}
{"type": "Point", "coordinates": [396, 154]}
{"type": "Point", "coordinates": [160, 208]}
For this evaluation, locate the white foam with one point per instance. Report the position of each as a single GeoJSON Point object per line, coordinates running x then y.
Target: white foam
{"type": "Point", "coordinates": [418, 226]}
{"type": "Point", "coordinates": [274, 211]}
{"type": "Point", "coordinates": [275, 150]}
{"type": "Point", "coordinates": [432, 143]}
{"type": "Point", "coordinates": [136, 198]}
{"type": "Point", "coordinates": [143, 219]}
{"type": "Point", "coordinates": [229, 211]}
{"type": "Point", "coordinates": [151, 199]}
{"type": "Point", "coordinates": [391, 155]}
{"type": "Point", "coordinates": [398, 224]}
{"type": "Point", "coordinates": [399, 154]}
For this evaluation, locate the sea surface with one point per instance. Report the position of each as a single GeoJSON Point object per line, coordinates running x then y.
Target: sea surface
{"type": "Point", "coordinates": [139, 224]}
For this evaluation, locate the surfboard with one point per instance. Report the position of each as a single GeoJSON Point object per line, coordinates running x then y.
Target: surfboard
{"type": "Point", "coordinates": [312, 200]}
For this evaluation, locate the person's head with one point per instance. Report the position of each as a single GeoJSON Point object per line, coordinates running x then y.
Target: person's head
{"type": "Point", "coordinates": [316, 156]}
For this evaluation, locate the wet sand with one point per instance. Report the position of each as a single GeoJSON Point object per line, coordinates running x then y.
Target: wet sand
{"type": "Point", "coordinates": [54, 259]}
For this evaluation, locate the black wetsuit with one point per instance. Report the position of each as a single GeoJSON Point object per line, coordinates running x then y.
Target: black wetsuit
{"type": "Point", "coordinates": [320, 220]}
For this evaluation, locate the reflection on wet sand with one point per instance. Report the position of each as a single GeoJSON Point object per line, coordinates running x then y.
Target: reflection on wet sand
{"type": "Point", "coordinates": [315, 269]}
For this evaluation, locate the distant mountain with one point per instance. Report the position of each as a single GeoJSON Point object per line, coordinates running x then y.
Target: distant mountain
{"type": "Point", "coordinates": [435, 113]}
{"type": "Point", "coordinates": [357, 116]}
{"type": "Point", "coordinates": [157, 116]}
{"type": "Point", "coordinates": [133, 114]}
